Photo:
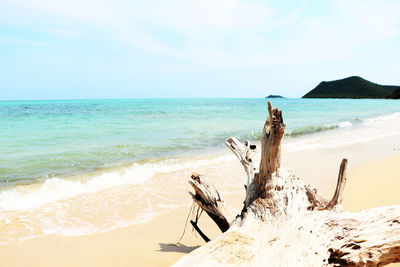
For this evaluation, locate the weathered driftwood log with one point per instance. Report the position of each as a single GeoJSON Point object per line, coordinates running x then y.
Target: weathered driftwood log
{"type": "Point", "coordinates": [208, 198]}
{"type": "Point", "coordinates": [285, 222]}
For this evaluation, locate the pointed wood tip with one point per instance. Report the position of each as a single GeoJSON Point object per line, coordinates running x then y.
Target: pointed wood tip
{"type": "Point", "coordinates": [269, 108]}
{"type": "Point", "coordinates": [341, 182]}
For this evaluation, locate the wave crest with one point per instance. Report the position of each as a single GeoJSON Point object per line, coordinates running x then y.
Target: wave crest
{"type": "Point", "coordinates": [310, 129]}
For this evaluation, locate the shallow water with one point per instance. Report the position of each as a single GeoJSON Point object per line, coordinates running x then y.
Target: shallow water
{"type": "Point", "coordinates": [82, 167]}
{"type": "Point", "coordinates": [43, 139]}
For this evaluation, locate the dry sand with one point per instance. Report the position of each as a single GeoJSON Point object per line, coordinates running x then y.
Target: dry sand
{"type": "Point", "coordinates": [373, 184]}
{"type": "Point", "coordinates": [369, 185]}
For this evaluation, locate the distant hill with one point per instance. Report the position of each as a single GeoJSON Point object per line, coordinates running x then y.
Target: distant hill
{"type": "Point", "coordinates": [395, 94]}
{"type": "Point", "coordinates": [274, 96]}
{"type": "Point", "coordinates": [351, 87]}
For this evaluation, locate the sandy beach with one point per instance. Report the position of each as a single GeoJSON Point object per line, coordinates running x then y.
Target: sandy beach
{"type": "Point", "coordinates": [373, 184]}
{"type": "Point", "coordinates": [370, 184]}
{"type": "Point", "coordinates": [118, 120]}
{"type": "Point", "coordinates": [139, 224]}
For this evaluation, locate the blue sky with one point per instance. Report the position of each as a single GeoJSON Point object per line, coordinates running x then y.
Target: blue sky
{"type": "Point", "coordinates": [74, 49]}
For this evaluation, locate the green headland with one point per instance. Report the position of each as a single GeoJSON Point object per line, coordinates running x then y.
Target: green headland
{"type": "Point", "coordinates": [353, 87]}
{"type": "Point", "coordinates": [395, 94]}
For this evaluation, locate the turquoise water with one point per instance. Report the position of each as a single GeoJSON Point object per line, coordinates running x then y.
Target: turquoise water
{"type": "Point", "coordinates": [43, 139]}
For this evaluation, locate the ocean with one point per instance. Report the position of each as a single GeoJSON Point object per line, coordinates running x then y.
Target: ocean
{"type": "Point", "coordinates": [60, 159]}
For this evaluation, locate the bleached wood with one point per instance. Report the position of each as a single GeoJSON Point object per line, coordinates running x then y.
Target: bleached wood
{"type": "Point", "coordinates": [271, 144]}
{"type": "Point", "coordinates": [338, 195]}
{"type": "Point", "coordinates": [286, 223]}
{"type": "Point", "coordinates": [208, 198]}
{"type": "Point", "coordinates": [245, 153]}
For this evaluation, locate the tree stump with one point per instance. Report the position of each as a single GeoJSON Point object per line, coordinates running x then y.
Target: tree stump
{"type": "Point", "coordinates": [285, 222]}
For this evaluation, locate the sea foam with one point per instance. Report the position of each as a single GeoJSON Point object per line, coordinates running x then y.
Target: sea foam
{"type": "Point", "coordinates": [24, 197]}
{"type": "Point", "coordinates": [347, 133]}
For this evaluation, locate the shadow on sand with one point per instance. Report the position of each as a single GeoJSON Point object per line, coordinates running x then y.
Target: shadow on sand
{"type": "Point", "coordinates": [176, 248]}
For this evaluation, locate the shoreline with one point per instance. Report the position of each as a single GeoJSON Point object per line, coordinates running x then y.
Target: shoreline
{"type": "Point", "coordinates": [151, 243]}
{"type": "Point", "coordinates": [88, 171]}
{"type": "Point", "coordinates": [115, 219]}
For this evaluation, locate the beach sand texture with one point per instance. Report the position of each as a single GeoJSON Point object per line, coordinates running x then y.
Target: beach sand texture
{"type": "Point", "coordinates": [372, 185]}
{"type": "Point", "coordinates": [151, 244]}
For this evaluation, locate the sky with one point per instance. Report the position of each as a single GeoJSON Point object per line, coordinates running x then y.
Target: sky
{"type": "Point", "coordinates": [78, 49]}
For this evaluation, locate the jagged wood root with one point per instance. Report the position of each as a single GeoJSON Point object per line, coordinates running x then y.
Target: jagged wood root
{"type": "Point", "coordinates": [194, 224]}
{"type": "Point", "coordinates": [285, 222]}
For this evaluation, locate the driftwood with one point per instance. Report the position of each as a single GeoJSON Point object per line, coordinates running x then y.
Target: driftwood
{"type": "Point", "coordinates": [287, 223]}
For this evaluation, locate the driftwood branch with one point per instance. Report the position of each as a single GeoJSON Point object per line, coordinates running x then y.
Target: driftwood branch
{"type": "Point", "coordinates": [287, 223]}
{"type": "Point", "coordinates": [271, 144]}
{"type": "Point", "coordinates": [263, 181]}
{"type": "Point", "coordinates": [208, 198]}
{"type": "Point", "coordinates": [338, 195]}
{"type": "Point", "coordinates": [245, 153]}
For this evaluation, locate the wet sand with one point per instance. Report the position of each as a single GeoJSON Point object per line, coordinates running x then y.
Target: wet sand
{"type": "Point", "coordinates": [148, 244]}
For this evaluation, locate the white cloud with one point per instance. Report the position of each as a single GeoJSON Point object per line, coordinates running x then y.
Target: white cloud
{"type": "Point", "coordinates": [368, 20]}
{"type": "Point", "coordinates": [219, 34]}
{"type": "Point", "coordinates": [61, 32]}
{"type": "Point", "coordinates": [69, 12]}
{"type": "Point", "coordinates": [209, 16]}
{"type": "Point", "coordinates": [336, 35]}
{"type": "Point", "coordinates": [19, 41]}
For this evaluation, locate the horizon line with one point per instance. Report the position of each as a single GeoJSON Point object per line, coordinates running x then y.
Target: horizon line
{"type": "Point", "coordinates": [138, 98]}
